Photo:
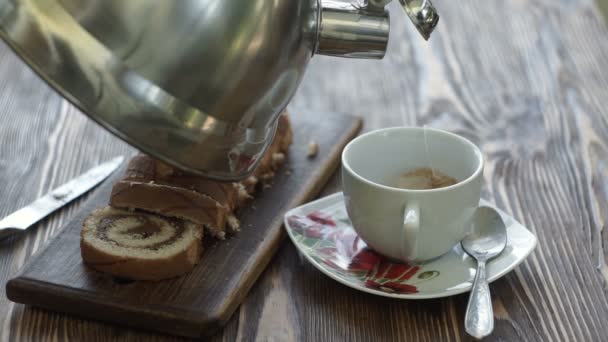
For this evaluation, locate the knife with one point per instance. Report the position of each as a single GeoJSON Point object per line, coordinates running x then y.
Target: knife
{"type": "Point", "coordinates": [25, 217]}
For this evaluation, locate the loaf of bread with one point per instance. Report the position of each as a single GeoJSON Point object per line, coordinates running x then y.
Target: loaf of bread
{"type": "Point", "coordinates": [154, 186]}
{"type": "Point", "coordinates": [154, 227]}
{"type": "Point", "coordinates": [138, 245]}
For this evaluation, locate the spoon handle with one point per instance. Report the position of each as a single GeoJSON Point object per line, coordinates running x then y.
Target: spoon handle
{"type": "Point", "coordinates": [479, 319]}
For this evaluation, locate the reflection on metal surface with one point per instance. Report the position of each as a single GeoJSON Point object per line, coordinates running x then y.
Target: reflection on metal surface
{"type": "Point", "coordinates": [196, 83]}
{"type": "Point", "coordinates": [423, 15]}
{"type": "Point", "coordinates": [57, 198]}
{"type": "Point", "coordinates": [187, 81]}
{"type": "Point", "coordinates": [355, 33]}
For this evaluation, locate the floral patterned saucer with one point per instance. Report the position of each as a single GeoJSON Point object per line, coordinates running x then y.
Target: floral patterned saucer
{"type": "Point", "coordinates": [322, 232]}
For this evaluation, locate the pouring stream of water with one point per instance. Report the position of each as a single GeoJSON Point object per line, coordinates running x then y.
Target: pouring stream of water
{"type": "Point", "coordinates": [428, 155]}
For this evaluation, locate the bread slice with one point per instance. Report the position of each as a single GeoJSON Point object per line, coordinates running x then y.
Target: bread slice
{"type": "Point", "coordinates": [145, 169]}
{"type": "Point", "coordinates": [172, 202]}
{"type": "Point", "coordinates": [138, 245]}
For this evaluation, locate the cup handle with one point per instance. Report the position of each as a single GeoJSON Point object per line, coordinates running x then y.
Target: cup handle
{"type": "Point", "coordinates": [411, 229]}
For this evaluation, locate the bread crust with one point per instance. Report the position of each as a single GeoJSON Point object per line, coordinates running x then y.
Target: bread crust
{"type": "Point", "coordinates": [145, 169]}
{"type": "Point", "coordinates": [139, 268]}
{"type": "Point", "coordinates": [269, 163]}
{"type": "Point", "coordinates": [171, 202]}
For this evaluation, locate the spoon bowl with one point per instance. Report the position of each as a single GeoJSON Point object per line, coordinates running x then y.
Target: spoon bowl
{"type": "Point", "coordinates": [488, 235]}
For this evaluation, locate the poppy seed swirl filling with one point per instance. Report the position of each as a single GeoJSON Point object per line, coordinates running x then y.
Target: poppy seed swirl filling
{"type": "Point", "coordinates": [139, 231]}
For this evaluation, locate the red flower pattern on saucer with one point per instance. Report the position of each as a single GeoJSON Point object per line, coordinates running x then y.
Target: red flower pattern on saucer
{"type": "Point", "coordinates": [332, 241]}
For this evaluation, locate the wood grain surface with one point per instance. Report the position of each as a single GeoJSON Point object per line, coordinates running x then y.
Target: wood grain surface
{"type": "Point", "coordinates": [526, 80]}
{"type": "Point", "coordinates": [201, 302]}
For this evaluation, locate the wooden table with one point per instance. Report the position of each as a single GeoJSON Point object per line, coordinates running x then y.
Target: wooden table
{"type": "Point", "coordinates": [526, 80]}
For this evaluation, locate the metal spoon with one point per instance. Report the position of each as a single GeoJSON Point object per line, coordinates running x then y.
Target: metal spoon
{"type": "Point", "coordinates": [486, 240]}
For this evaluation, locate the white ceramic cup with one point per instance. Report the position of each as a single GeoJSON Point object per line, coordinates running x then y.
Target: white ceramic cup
{"type": "Point", "coordinates": [410, 225]}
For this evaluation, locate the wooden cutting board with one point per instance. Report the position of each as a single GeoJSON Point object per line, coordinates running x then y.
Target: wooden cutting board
{"type": "Point", "coordinates": [198, 304]}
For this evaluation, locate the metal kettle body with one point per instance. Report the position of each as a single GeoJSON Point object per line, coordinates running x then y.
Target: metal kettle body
{"type": "Point", "coordinates": [197, 83]}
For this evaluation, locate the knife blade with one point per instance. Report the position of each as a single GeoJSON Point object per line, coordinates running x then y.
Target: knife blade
{"type": "Point", "coordinates": [25, 217]}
